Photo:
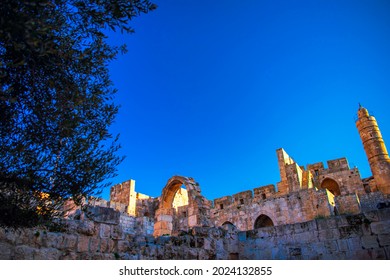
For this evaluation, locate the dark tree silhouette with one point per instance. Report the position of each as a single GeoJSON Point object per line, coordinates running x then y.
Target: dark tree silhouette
{"type": "Point", "coordinates": [56, 102]}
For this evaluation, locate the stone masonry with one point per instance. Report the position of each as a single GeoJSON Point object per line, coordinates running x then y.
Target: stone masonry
{"type": "Point", "coordinates": [99, 236]}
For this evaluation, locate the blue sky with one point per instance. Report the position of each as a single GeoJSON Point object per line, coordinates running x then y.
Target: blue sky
{"type": "Point", "coordinates": [210, 89]}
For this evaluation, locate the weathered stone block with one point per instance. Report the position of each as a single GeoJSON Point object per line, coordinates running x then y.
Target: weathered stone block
{"type": "Point", "coordinates": [69, 242]}
{"type": "Point", "coordinates": [203, 255]}
{"type": "Point", "coordinates": [341, 221]}
{"type": "Point", "coordinates": [98, 256]}
{"type": "Point", "coordinates": [116, 232]}
{"type": "Point", "coordinates": [350, 231]}
{"type": "Point", "coordinates": [380, 227]}
{"type": "Point", "coordinates": [305, 226]}
{"type": "Point", "coordinates": [279, 253]}
{"type": "Point", "coordinates": [242, 236]}
{"type": "Point", "coordinates": [123, 245]}
{"type": "Point", "coordinates": [330, 246]}
{"type": "Point", "coordinates": [295, 253]}
{"type": "Point", "coordinates": [191, 254]}
{"type": "Point", "coordinates": [103, 215]}
{"type": "Point", "coordinates": [308, 252]}
{"type": "Point", "coordinates": [47, 254]}
{"type": "Point", "coordinates": [192, 221]}
{"type": "Point", "coordinates": [328, 234]}
{"type": "Point", "coordinates": [52, 239]}
{"type": "Point", "coordinates": [384, 214]}
{"type": "Point", "coordinates": [94, 244]}
{"type": "Point", "coordinates": [104, 231]}
{"type": "Point", "coordinates": [5, 251]}
{"type": "Point", "coordinates": [368, 254]}
{"type": "Point", "coordinates": [266, 232]}
{"type": "Point", "coordinates": [68, 255]}
{"type": "Point", "coordinates": [325, 224]}
{"type": "Point", "coordinates": [104, 245]}
{"type": "Point", "coordinates": [83, 243]}
{"type": "Point", "coordinates": [342, 245]}
{"type": "Point", "coordinates": [24, 252]}
{"type": "Point", "coordinates": [372, 216]}
{"type": "Point", "coordinates": [70, 225]}
{"type": "Point", "coordinates": [354, 244]}
{"type": "Point", "coordinates": [165, 218]}
{"type": "Point", "coordinates": [369, 242]}
{"type": "Point", "coordinates": [384, 240]}
{"type": "Point", "coordinates": [87, 228]}
{"type": "Point", "coordinates": [26, 236]}
{"type": "Point", "coordinates": [306, 237]}
{"type": "Point", "coordinates": [333, 256]}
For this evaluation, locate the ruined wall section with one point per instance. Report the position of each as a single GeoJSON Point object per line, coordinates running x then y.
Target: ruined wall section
{"type": "Point", "coordinates": [125, 199]}
{"type": "Point", "coordinates": [124, 193]}
{"type": "Point", "coordinates": [284, 160]}
{"type": "Point", "coordinates": [146, 207]}
{"type": "Point", "coordinates": [362, 236]}
{"type": "Point", "coordinates": [243, 209]}
{"type": "Point", "coordinates": [349, 237]}
{"type": "Point", "coordinates": [264, 192]}
{"type": "Point", "coordinates": [369, 184]}
{"type": "Point", "coordinates": [348, 180]}
{"type": "Point", "coordinates": [373, 201]}
{"type": "Point", "coordinates": [361, 203]}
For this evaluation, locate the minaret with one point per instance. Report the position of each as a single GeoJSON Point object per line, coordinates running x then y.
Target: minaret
{"type": "Point", "coordinates": [375, 149]}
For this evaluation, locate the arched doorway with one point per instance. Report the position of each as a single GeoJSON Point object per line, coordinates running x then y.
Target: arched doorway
{"type": "Point", "coordinates": [331, 185]}
{"type": "Point", "coordinates": [228, 226]}
{"type": "Point", "coordinates": [263, 221]}
{"type": "Point", "coordinates": [198, 209]}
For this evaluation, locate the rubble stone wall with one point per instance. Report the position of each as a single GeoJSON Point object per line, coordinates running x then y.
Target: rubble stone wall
{"type": "Point", "coordinates": [361, 236]}
{"type": "Point", "coordinates": [100, 236]}
{"type": "Point", "coordinates": [242, 209]}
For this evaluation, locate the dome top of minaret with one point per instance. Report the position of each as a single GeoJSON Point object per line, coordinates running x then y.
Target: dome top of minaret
{"type": "Point", "coordinates": [362, 112]}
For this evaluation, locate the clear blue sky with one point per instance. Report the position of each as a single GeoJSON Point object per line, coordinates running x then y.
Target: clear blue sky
{"type": "Point", "coordinates": [210, 89]}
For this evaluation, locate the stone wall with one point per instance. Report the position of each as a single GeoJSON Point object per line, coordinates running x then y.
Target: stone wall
{"type": "Point", "coordinates": [124, 193]}
{"type": "Point", "coordinates": [86, 240]}
{"type": "Point", "coordinates": [362, 236]}
{"type": "Point", "coordinates": [243, 209]}
{"type": "Point", "coordinates": [99, 236]}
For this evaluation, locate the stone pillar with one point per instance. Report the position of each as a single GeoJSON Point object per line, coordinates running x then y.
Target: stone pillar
{"type": "Point", "coordinates": [163, 224]}
{"type": "Point", "coordinates": [132, 199]}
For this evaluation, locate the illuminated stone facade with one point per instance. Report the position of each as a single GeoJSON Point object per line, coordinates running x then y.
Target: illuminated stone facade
{"type": "Point", "coordinates": [303, 194]}
{"type": "Point", "coordinates": [315, 212]}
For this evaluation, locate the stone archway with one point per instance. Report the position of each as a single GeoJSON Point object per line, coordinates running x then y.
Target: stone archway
{"type": "Point", "coordinates": [198, 208]}
{"type": "Point", "coordinates": [331, 185]}
{"type": "Point", "coordinates": [263, 221]}
{"type": "Point", "coordinates": [228, 226]}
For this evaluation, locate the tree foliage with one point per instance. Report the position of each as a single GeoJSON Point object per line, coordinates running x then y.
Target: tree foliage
{"type": "Point", "coordinates": [56, 101]}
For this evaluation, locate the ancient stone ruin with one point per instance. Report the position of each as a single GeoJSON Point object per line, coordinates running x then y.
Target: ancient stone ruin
{"type": "Point", "coordinates": [313, 213]}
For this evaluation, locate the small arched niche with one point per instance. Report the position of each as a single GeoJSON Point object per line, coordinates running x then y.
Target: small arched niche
{"type": "Point", "coordinates": [229, 226]}
{"type": "Point", "coordinates": [263, 221]}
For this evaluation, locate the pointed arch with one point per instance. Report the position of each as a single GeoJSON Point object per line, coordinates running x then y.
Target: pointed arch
{"type": "Point", "coordinates": [263, 221]}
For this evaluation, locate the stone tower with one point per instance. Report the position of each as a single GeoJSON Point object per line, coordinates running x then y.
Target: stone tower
{"type": "Point", "coordinates": [375, 149]}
